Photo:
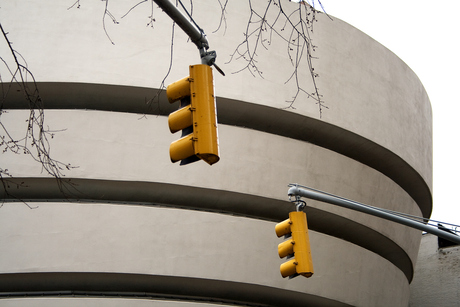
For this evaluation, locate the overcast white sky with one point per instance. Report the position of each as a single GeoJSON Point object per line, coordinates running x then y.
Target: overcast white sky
{"type": "Point", "coordinates": [425, 35]}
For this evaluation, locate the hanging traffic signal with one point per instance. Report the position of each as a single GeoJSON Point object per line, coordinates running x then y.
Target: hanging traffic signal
{"type": "Point", "coordinates": [196, 117]}
{"type": "Point", "coordinates": [297, 248]}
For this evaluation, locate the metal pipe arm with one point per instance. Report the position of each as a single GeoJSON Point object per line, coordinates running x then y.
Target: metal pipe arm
{"type": "Point", "coordinates": [350, 204]}
{"type": "Point", "coordinates": [196, 35]}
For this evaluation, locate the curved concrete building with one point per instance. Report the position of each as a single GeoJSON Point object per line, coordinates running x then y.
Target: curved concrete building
{"type": "Point", "coordinates": [132, 227]}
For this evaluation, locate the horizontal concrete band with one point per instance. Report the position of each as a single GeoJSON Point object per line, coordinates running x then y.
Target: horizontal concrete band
{"type": "Point", "coordinates": [93, 284]}
{"type": "Point", "coordinates": [170, 195]}
{"type": "Point", "coordinates": [243, 114]}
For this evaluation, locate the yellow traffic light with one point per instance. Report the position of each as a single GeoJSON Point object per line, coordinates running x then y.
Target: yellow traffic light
{"type": "Point", "coordinates": [298, 247]}
{"type": "Point", "coordinates": [196, 118]}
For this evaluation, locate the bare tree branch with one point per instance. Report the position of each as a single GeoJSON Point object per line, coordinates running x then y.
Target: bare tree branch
{"type": "Point", "coordinates": [223, 18]}
{"type": "Point", "coordinates": [77, 3]}
{"type": "Point", "coordinates": [162, 86]}
{"type": "Point", "coordinates": [293, 28]}
{"type": "Point", "coordinates": [110, 15]}
{"type": "Point", "coordinates": [35, 142]}
{"type": "Point", "coordinates": [264, 23]}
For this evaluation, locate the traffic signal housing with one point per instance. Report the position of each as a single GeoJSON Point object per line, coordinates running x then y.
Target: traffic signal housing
{"type": "Point", "coordinates": [196, 117]}
{"type": "Point", "coordinates": [297, 248]}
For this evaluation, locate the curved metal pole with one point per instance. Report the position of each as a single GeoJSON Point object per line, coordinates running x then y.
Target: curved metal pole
{"type": "Point", "coordinates": [335, 200]}
{"type": "Point", "coordinates": [193, 31]}
{"type": "Point", "coordinates": [196, 35]}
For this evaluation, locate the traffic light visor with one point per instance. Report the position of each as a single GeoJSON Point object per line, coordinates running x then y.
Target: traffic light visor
{"type": "Point", "coordinates": [178, 90]}
{"type": "Point", "coordinates": [283, 228]}
{"type": "Point", "coordinates": [288, 268]}
{"type": "Point", "coordinates": [181, 149]}
{"type": "Point", "coordinates": [286, 248]}
{"type": "Point", "coordinates": [180, 119]}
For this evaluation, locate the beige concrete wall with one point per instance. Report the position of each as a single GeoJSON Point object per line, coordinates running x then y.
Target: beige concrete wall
{"type": "Point", "coordinates": [96, 302]}
{"type": "Point", "coordinates": [173, 242]}
{"type": "Point", "coordinates": [372, 145]}
{"type": "Point", "coordinates": [436, 280]}
{"type": "Point", "coordinates": [110, 143]}
{"type": "Point", "coordinates": [357, 75]}
{"type": "Point", "coordinates": [356, 72]}
{"type": "Point", "coordinates": [117, 146]}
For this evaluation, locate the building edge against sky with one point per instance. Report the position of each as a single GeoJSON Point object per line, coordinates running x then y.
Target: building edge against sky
{"type": "Point", "coordinates": [137, 225]}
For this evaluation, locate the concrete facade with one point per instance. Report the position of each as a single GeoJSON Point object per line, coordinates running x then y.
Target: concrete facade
{"type": "Point", "coordinates": [135, 228]}
{"type": "Point", "coordinates": [437, 275]}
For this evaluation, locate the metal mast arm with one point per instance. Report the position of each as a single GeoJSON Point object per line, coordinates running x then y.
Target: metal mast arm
{"type": "Point", "coordinates": [342, 202]}
{"type": "Point", "coordinates": [196, 35]}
